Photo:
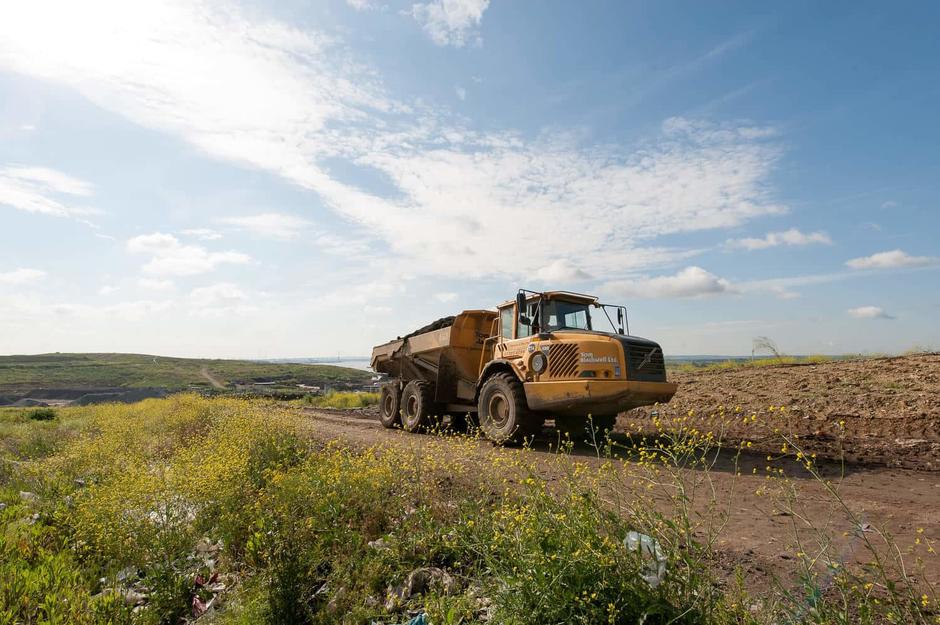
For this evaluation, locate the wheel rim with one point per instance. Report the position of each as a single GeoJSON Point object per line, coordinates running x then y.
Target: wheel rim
{"type": "Point", "coordinates": [498, 411]}
{"type": "Point", "coordinates": [387, 406]}
{"type": "Point", "coordinates": [411, 407]}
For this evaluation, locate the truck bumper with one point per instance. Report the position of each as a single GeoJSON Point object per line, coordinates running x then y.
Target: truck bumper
{"type": "Point", "coordinates": [601, 397]}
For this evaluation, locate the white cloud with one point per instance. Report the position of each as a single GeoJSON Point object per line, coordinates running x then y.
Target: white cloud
{"type": "Point", "coordinates": [690, 282]}
{"type": "Point", "coordinates": [272, 225]}
{"type": "Point", "coordinates": [451, 22]}
{"type": "Point", "coordinates": [361, 5]}
{"type": "Point", "coordinates": [169, 257]}
{"type": "Point", "coordinates": [21, 276]}
{"type": "Point", "coordinates": [890, 260]}
{"type": "Point", "coordinates": [41, 190]}
{"type": "Point", "coordinates": [461, 92]}
{"type": "Point", "coordinates": [107, 289]}
{"type": "Point", "coordinates": [889, 204]}
{"type": "Point", "coordinates": [223, 293]}
{"type": "Point", "coordinates": [218, 300]}
{"type": "Point", "coordinates": [787, 237]}
{"type": "Point", "coordinates": [150, 284]}
{"type": "Point", "coordinates": [561, 270]}
{"type": "Point", "coordinates": [869, 312]}
{"type": "Point", "coordinates": [276, 98]}
{"type": "Point", "coordinates": [203, 234]}
{"type": "Point", "coordinates": [445, 297]}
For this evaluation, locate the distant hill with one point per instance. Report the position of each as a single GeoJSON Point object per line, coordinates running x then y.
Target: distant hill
{"type": "Point", "coordinates": [50, 371]}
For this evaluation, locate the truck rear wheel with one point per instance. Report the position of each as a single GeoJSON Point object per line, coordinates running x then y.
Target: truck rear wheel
{"type": "Point", "coordinates": [502, 411]}
{"type": "Point", "coordinates": [389, 402]}
{"type": "Point", "coordinates": [579, 428]}
{"type": "Point", "coordinates": [417, 403]}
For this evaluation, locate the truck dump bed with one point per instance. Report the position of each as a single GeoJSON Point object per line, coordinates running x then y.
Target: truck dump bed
{"type": "Point", "coordinates": [449, 356]}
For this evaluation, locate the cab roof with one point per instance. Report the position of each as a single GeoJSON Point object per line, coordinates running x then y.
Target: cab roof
{"type": "Point", "coordinates": [568, 296]}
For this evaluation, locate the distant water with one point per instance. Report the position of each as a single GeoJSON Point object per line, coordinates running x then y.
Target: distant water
{"type": "Point", "coordinates": [353, 363]}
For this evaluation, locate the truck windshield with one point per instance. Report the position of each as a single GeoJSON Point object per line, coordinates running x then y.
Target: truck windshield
{"type": "Point", "coordinates": [560, 314]}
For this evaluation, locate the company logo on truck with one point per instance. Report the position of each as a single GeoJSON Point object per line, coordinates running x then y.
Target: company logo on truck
{"type": "Point", "coordinates": [590, 358]}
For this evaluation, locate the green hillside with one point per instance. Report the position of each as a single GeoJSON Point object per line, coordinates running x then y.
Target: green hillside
{"type": "Point", "coordinates": [141, 370]}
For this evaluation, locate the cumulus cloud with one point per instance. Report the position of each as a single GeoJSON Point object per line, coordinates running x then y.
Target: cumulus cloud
{"type": "Point", "coordinates": [445, 297]}
{"type": "Point", "coordinates": [17, 277]}
{"type": "Point", "coordinates": [285, 100]}
{"type": "Point", "coordinates": [43, 190]}
{"type": "Point", "coordinates": [203, 234]}
{"type": "Point", "coordinates": [869, 312]}
{"type": "Point", "coordinates": [890, 260]}
{"type": "Point", "coordinates": [169, 257]}
{"type": "Point", "coordinates": [561, 270]}
{"type": "Point", "coordinates": [151, 284]}
{"type": "Point", "coordinates": [787, 237]}
{"type": "Point", "coordinates": [271, 225]}
{"type": "Point", "coordinates": [690, 282]}
{"type": "Point", "coordinates": [361, 5]}
{"type": "Point", "coordinates": [451, 22]}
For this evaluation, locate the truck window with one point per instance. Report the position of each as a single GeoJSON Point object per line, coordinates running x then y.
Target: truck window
{"type": "Point", "coordinates": [522, 330]}
{"type": "Point", "coordinates": [505, 322]}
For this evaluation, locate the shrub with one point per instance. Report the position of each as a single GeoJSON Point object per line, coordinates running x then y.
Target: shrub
{"type": "Point", "coordinates": [41, 414]}
{"type": "Point", "coordinates": [344, 399]}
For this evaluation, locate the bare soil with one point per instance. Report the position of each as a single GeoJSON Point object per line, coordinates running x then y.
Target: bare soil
{"type": "Point", "coordinates": [890, 437]}
{"type": "Point", "coordinates": [878, 411]}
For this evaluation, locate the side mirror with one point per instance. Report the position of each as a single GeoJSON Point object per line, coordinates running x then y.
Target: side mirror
{"type": "Point", "coordinates": [520, 308]}
{"type": "Point", "coordinates": [620, 320]}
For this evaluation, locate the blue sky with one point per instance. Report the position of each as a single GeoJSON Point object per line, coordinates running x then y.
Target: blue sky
{"type": "Point", "coordinates": [260, 179]}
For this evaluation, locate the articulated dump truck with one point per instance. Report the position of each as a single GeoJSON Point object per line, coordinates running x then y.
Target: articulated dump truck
{"type": "Point", "coordinates": [540, 356]}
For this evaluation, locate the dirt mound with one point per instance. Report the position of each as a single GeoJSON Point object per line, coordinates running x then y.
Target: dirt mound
{"type": "Point", "coordinates": [443, 322]}
{"type": "Point", "coordinates": [878, 410]}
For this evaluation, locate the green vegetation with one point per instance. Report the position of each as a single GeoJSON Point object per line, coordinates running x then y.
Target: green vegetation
{"type": "Point", "coordinates": [338, 399]}
{"type": "Point", "coordinates": [41, 414]}
{"type": "Point", "coordinates": [152, 512]}
{"type": "Point", "coordinates": [742, 363]}
{"type": "Point", "coordinates": [140, 370]}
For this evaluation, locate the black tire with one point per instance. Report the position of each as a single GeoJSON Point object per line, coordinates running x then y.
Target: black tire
{"type": "Point", "coordinates": [604, 423]}
{"type": "Point", "coordinates": [577, 428]}
{"type": "Point", "coordinates": [573, 428]}
{"type": "Point", "coordinates": [502, 411]}
{"type": "Point", "coordinates": [417, 405]}
{"type": "Point", "coordinates": [389, 402]}
{"type": "Point", "coordinates": [460, 422]}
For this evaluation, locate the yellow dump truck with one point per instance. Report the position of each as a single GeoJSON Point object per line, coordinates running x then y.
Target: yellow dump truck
{"type": "Point", "coordinates": [540, 356]}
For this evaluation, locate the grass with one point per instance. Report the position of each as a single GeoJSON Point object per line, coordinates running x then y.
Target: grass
{"type": "Point", "coordinates": [744, 363]}
{"type": "Point", "coordinates": [140, 370]}
{"type": "Point", "coordinates": [147, 513]}
{"type": "Point", "coordinates": [342, 399]}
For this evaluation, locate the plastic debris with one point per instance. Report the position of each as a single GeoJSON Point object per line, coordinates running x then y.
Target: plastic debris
{"type": "Point", "coordinates": [654, 560]}
{"type": "Point", "coordinates": [418, 582]}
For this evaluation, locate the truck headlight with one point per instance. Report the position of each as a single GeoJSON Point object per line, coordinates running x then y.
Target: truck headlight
{"type": "Point", "coordinates": [539, 362]}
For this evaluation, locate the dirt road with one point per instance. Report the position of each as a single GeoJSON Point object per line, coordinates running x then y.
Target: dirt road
{"type": "Point", "coordinates": [214, 381]}
{"type": "Point", "coordinates": [756, 538]}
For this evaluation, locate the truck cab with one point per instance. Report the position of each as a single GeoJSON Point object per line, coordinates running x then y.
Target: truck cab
{"type": "Point", "coordinates": [569, 350]}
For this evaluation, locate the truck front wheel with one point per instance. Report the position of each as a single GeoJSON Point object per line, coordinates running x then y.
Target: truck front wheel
{"type": "Point", "coordinates": [502, 411]}
{"type": "Point", "coordinates": [417, 403]}
{"type": "Point", "coordinates": [389, 402]}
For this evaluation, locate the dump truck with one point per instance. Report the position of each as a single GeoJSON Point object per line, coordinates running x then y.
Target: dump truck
{"type": "Point", "coordinates": [541, 356]}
